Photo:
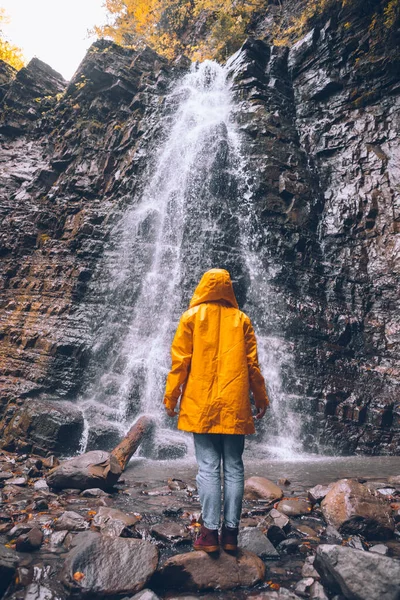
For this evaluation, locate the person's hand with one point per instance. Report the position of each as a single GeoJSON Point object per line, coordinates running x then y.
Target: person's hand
{"type": "Point", "coordinates": [171, 412]}
{"type": "Point", "coordinates": [261, 411]}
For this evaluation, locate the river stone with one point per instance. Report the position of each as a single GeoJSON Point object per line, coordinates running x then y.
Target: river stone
{"type": "Point", "coordinates": [353, 509]}
{"type": "Point", "coordinates": [29, 541]}
{"type": "Point", "coordinates": [8, 565]}
{"type": "Point", "coordinates": [145, 595]}
{"type": "Point", "coordinates": [113, 522]}
{"type": "Point", "coordinates": [95, 469]}
{"type": "Point", "coordinates": [110, 566]}
{"type": "Point", "coordinates": [358, 575]}
{"type": "Point", "coordinates": [198, 571]}
{"type": "Point", "coordinates": [254, 540]}
{"type": "Point", "coordinates": [317, 592]}
{"type": "Point", "coordinates": [45, 425]}
{"type": "Point", "coordinates": [394, 480]}
{"type": "Point", "coordinates": [303, 586]}
{"type": "Point", "coordinates": [294, 507]}
{"type": "Point", "coordinates": [318, 492]}
{"type": "Point", "coordinates": [38, 591]}
{"type": "Point", "coordinates": [170, 531]}
{"type": "Point", "coordinates": [261, 488]}
{"type": "Point", "coordinates": [71, 521]}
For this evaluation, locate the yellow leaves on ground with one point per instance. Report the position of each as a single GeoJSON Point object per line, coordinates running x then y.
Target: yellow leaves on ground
{"type": "Point", "coordinates": [8, 52]}
{"type": "Point", "coordinates": [78, 576]}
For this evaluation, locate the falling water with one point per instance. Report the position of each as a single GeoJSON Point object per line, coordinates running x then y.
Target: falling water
{"type": "Point", "coordinates": [194, 214]}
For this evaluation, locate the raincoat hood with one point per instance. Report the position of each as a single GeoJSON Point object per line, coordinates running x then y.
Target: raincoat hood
{"type": "Point", "coordinates": [215, 285]}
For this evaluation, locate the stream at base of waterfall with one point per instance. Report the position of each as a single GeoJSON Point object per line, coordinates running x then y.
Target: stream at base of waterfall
{"type": "Point", "coordinates": [193, 212]}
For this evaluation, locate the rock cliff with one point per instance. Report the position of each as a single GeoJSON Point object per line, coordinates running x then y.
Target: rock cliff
{"type": "Point", "coordinates": [320, 124]}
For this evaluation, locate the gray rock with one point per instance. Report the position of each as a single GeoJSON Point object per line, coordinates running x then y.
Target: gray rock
{"type": "Point", "coordinates": [198, 571]}
{"type": "Point", "coordinates": [41, 485]}
{"type": "Point", "coordinates": [55, 426]}
{"type": "Point", "coordinates": [94, 493]}
{"type": "Point", "coordinates": [170, 531]}
{"type": "Point", "coordinates": [113, 522]}
{"type": "Point", "coordinates": [318, 492]}
{"type": "Point", "coordinates": [358, 575]}
{"type": "Point", "coordinates": [379, 549]}
{"type": "Point", "coordinates": [8, 565]}
{"type": "Point", "coordinates": [38, 591]}
{"type": "Point", "coordinates": [17, 481]}
{"type": "Point", "coordinates": [308, 569]}
{"type": "Point", "coordinates": [254, 540]}
{"type": "Point", "coordinates": [303, 586]}
{"type": "Point", "coordinates": [110, 566]}
{"type": "Point", "coordinates": [317, 592]}
{"type": "Point", "coordinates": [279, 519]}
{"type": "Point", "coordinates": [58, 537]}
{"type": "Point", "coordinates": [90, 470]}
{"type": "Point", "coordinates": [71, 521]}
{"type": "Point", "coordinates": [145, 595]}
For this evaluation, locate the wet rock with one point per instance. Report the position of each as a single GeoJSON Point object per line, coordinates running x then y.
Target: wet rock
{"type": "Point", "coordinates": [318, 492]}
{"type": "Point", "coordinates": [279, 519]}
{"type": "Point", "coordinates": [5, 475]}
{"type": "Point", "coordinates": [57, 537]}
{"type": "Point", "coordinates": [256, 488]}
{"type": "Point", "coordinates": [353, 509]}
{"type": "Point", "coordinates": [289, 546]}
{"type": "Point", "coordinates": [109, 566]}
{"type": "Point", "coordinates": [308, 569]}
{"type": "Point", "coordinates": [394, 479]}
{"type": "Point", "coordinates": [303, 586]}
{"type": "Point", "coordinates": [294, 507]}
{"type": "Point", "coordinates": [17, 481]}
{"type": "Point", "coordinates": [92, 469]}
{"type": "Point", "coordinates": [317, 592]}
{"type": "Point", "coordinates": [358, 575]}
{"type": "Point", "coordinates": [145, 595]}
{"type": "Point", "coordinates": [41, 485]}
{"type": "Point", "coordinates": [94, 493]}
{"type": "Point", "coordinates": [276, 534]}
{"type": "Point", "coordinates": [114, 523]}
{"type": "Point", "coordinates": [254, 540]}
{"type": "Point", "coordinates": [379, 549]}
{"type": "Point", "coordinates": [30, 541]}
{"type": "Point", "coordinates": [71, 521]}
{"type": "Point", "coordinates": [103, 436]}
{"type": "Point", "coordinates": [283, 481]}
{"type": "Point", "coordinates": [357, 542]}
{"type": "Point", "coordinates": [176, 484]}
{"type": "Point", "coordinates": [39, 591]}
{"type": "Point", "coordinates": [19, 529]}
{"type": "Point", "coordinates": [54, 426]}
{"type": "Point", "coordinates": [8, 565]}
{"type": "Point", "coordinates": [171, 532]}
{"type": "Point", "coordinates": [198, 571]}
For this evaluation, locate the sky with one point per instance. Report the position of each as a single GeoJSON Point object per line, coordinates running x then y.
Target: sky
{"type": "Point", "coordinates": [53, 30]}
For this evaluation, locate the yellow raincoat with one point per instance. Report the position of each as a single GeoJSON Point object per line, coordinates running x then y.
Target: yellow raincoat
{"type": "Point", "coordinates": [214, 362]}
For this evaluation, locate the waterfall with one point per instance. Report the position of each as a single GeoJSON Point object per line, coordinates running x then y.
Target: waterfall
{"type": "Point", "coordinates": [194, 213]}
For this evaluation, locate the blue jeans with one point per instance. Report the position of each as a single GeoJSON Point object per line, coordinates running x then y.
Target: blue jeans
{"type": "Point", "coordinates": [210, 448]}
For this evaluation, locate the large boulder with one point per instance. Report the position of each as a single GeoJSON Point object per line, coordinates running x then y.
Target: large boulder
{"type": "Point", "coordinates": [197, 571]}
{"type": "Point", "coordinates": [358, 575]}
{"type": "Point", "coordinates": [107, 566]}
{"type": "Point", "coordinates": [354, 509]}
{"type": "Point", "coordinates": [42, 426]}
{"type": "Point", "coordinates": [260, 488]}
{"type": "Point", "coordinates": [90, 470]}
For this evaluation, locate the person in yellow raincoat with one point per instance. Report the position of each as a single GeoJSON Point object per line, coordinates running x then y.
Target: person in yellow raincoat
{"type": "Point", "coordinates": [214, 367]}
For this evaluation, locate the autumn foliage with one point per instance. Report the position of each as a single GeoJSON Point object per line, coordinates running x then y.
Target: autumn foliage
{"type": "Point", "coordinates": [216, 28]}
{"type": "Point", "coordinates": [9, 53]}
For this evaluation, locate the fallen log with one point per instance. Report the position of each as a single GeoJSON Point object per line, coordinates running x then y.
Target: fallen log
{"type": "Point", "coordinates": [98, 468]}
{"type": "Point", "coordinates": [125, 450]}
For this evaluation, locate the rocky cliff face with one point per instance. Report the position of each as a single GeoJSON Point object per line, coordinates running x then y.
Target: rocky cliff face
{"type": "Point", "coordinates": [320, 126]}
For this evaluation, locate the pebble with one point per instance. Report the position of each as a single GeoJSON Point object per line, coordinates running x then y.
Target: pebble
{"type": "Point", "coordinates": [41, 485]}
{"type": "Point", "coordinates": [379, 549]}
{"type": "Point", "coordinates": [303, 586]}
{"type": "Point", "coordinates": [30, 541]}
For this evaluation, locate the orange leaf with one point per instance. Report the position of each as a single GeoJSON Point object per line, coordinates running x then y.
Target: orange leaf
{"type": "Point", "coordinates": [78, 576]}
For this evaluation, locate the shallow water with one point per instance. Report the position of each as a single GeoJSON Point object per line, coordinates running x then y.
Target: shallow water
{"type": "Point", "coordinates": [304, 472]}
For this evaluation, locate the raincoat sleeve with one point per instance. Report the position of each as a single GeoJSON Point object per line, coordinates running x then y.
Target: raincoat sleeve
{"type": "Point", "coordinates": [181, 355]}
{"type": "Point", "coordinates": [257, 383]}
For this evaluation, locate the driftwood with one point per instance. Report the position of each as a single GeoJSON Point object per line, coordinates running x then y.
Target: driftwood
{"type": "Point", "coordinates": [124, 451]}
{"type": "Point", "coordinates": [98, 468]}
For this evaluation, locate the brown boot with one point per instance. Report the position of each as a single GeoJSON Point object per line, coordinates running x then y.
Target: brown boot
{"type": "Point", "coordinates": [229, 538]}
{"type": "Point", "coordinates": [207, 540]}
